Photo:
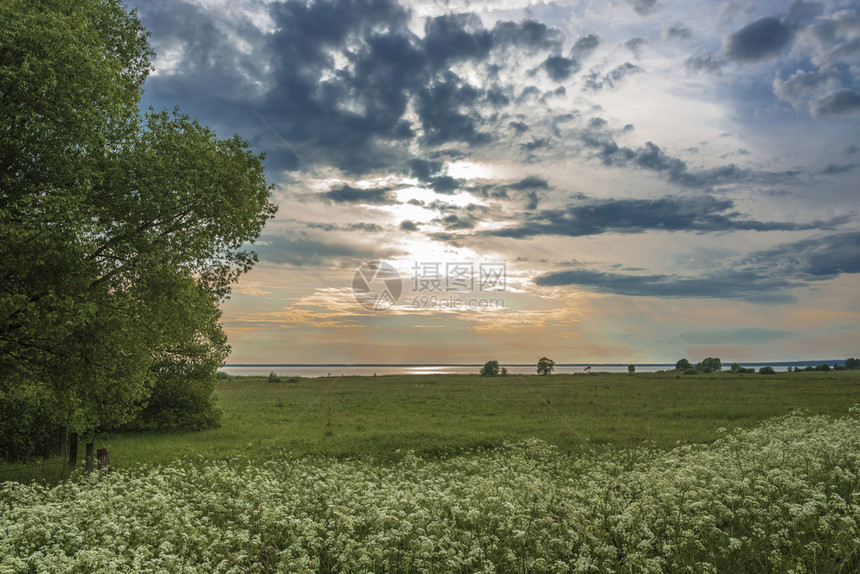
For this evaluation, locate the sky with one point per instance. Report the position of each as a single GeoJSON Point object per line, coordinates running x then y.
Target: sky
{"type": "Point", "coordinates": [627, 181]}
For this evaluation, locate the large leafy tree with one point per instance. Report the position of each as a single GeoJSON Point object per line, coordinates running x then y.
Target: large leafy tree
{"type": "Point", "coordinates": [545, 366]}
{"type": "Point", "coordinates": [710, 364]}
{"type": "Point", "coordinates": [119, 234]}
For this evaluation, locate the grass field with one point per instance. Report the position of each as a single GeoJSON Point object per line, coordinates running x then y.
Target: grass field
{"type": "Point", "coordinates": [465, 474]}
{"type": "Point", "coordinates": [384, 417]}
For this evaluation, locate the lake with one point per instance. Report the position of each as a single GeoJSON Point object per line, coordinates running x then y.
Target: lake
{"type": "Point", "coordinates": [370, 370]}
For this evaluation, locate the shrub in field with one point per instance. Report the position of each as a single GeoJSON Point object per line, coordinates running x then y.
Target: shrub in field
{"type": "Point", "coordinates": [781, 497]}
{"type": "Point", "coordinates": [766, 371]}
{"type": "Point", "coordinates": [491, 369]}
{"type": "Point", "coordinates": [183, 397]}
{"type": "Point", "coordinates": [545, 366]}
{"type": "Point", "coordinates": [710, 365]}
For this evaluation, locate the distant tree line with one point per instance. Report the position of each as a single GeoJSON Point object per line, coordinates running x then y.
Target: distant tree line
{"type": "Point", "coordinates": [545, 366]}
{"type": "Point", "coordinates": [712, 364]}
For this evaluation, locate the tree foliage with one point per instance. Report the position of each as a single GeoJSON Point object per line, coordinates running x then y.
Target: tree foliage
{"type": "Point", "coordinates": [682, 365]}
{"type": "Point", "coordinates": [119, 234]}
{"type": "Point", "coordinates": [491, 369]}
{"type": "Point", "coordinates": [710, 365]}
{"type": "Point", "coordinates": [545, 366]}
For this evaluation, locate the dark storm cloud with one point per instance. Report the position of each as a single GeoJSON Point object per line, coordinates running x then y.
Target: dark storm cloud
{"type": "Point", "coordinates": [702, 61]}
{"type": "Point", "coordinates": [678, 32]}
{"type": "Point", "coordinates": [408, 225]}
{"type": "Point", "coordinates": [676, 171]}
{"type": "Point", "coordinates": [333, 81]}
{"type": "Point", "coordinates": [304, 104]}
{"type": "Point", "coordinates": [649, 156]}
{"type": "Point", "coordinates": [423, 169]}
{"type": "Point", "coordinates": [643, 7]}
{"type": "Point", "coordinates": [208, 61]}
{"type": "Point", "coordinates": [536, 143]}
{"type": "Point", "coordinates": [529, 183]}
{"type": "Point", "coordinates": [445, 184]}
{"type": "Point", "coordinates": [529, 187]}
{"type": "Point", "coordinates": [585, 46]}
{"type": "Point", "coordinates": [314, 251]}
{"type": "Point", "coordinates": [497, 97]}
{"type": "Point", "coordinates": [798, 87]}
{"type": "Point", "coordinates": [456, 37]}
{"type": "Point", "coordinates": [560, 68]}
{"type": "Point", "coordinates": [764, 38]}
{"type": "Point", "coordinates": [447, 108]}
{"type": "Point", "coordinates": [519, 127]}
{"type": "Point", "coordinates": [723, 285]}
{"type": "Point", "coordinates": [764, 276]}
{"type": "Point", "coordinates": [454, 222]}
{"type": "Point", "coordinates": [699, 214]}
{"type": "Point", "coordinates": [527, 93]}
{"type": "Point", "coordinates": [528, 34]}
{"type": "Point", "coordinates": [597, 123]}
{"type": "Point", "coordinates": [635, 44]}
{"type": "Point", "coordinates": [595, 82]}
{"type": "Point", "coordinates": [839, 103]}
{"type": "Point", "coordinates": [347, 194]}
{"type": "Point", "coordinates": [817, 258]}
{"type": "Point", "coordinates": [833, 169]}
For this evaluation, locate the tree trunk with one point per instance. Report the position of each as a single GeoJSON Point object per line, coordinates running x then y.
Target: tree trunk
{"type": "Point", "coordinates": [64, 441]}
{"type": "Point", "coordinates": [89, 457]}
{"type": "Point", "coordinates": [104, 460]}
{"type": "Point", "coordinates": [73, 449]}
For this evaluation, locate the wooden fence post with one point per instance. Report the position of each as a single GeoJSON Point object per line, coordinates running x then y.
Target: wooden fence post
{"type": "Point", "coordinates": [73, 449]}
{"type": "Point", "coordinates": [89, 456]}
{"type": "Point", "coordinates": [104, 460]}
{"type": "Point", "coordinates": [64, 441]}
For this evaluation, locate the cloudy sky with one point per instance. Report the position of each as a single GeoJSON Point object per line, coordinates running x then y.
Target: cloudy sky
{"type": "Point", "coordinates": [618, 181]}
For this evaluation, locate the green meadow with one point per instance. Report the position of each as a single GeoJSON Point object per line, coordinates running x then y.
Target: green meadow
{"type": "Point", "coordinates": [656, 473]}
{"type": "Point", "coordinates": [385, 417]}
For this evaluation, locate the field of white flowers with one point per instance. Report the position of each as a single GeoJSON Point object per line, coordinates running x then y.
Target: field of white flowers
{"type": "Point", "coordinates": [782, 497]}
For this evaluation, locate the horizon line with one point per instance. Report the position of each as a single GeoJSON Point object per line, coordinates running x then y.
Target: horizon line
{"type": "Point", "coordinates": [784, 363]}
